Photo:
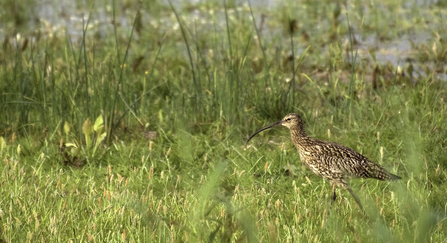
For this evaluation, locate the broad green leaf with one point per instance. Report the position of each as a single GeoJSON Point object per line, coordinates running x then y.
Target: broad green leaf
{"type": "Point", "coordinates": [98, 142]}
{"type": "Point", "coordinates": [160, 115]}
{"type": "Point", "coordinates": [99, 130]}
{"type": "Point", "coordinates": [98, 123]}
{"type": "Point", "coordinates": [101, 138]}
{"type": "Point", "coordinates": [71, 145]}
{"type": "Point", "coordinates": [66, 128]}
{"type": "Point", "coordinates": [75, 151]}
{"type": "Point", "coordinates": [87, 129]}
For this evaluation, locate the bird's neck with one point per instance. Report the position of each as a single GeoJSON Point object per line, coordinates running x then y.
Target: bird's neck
{"type": "Point", "coordinates": [300, 139]}
{"type": "Point", "coordinates": [298, 134]}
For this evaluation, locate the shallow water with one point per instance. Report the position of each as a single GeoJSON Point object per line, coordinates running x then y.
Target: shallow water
{"type": "Point", "coordinates": [67, 18]}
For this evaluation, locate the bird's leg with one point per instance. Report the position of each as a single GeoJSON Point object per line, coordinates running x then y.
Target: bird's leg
{"type": "Point", "coordinates": [357, 200]}
{"type": "Point", "coordinates": [334, 196]}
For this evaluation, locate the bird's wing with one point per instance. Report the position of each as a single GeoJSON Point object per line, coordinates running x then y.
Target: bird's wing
{"type": "Point", "coordinates": [345, 162]}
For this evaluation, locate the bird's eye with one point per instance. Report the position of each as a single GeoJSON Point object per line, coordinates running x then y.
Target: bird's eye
{"type": "Point", "coordinates": [287, 119]}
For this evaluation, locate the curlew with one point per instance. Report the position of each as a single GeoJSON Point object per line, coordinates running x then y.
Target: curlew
{"type": "Point", "coordinates": [332, 161]}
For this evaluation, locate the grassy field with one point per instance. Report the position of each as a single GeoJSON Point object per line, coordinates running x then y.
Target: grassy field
{"type": "Point", "coordinates": [130, 125]}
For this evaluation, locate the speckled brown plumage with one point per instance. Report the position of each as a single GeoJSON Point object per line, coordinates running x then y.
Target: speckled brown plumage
{"type": "Point", "coordinates": [332, 161]}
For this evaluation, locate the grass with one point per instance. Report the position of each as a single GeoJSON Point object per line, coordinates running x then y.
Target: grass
{"type": "Point", "coordinates": [135, 131]}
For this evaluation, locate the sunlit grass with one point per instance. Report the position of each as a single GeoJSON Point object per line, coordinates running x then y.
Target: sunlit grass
{"type": "Point", "coordinates": [100, 145]}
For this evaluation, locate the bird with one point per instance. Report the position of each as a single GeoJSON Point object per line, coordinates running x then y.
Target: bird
{"type": "Point", "coordinates": [331, 161]}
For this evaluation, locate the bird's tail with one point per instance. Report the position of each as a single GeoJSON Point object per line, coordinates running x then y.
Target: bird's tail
{"type": "Point", "coordinates": [393, 177]}
{"type": "Point", "coordinates": [378, 172]}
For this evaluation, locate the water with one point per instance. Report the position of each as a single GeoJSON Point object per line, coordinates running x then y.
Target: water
{"type": "Point", "coordinates": [66, 17]}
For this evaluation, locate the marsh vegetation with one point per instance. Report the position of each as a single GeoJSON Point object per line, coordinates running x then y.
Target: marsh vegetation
{"type": "Point", "coordinates": [127, 121]}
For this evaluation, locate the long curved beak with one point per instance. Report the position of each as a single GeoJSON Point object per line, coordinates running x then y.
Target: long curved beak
{"type": "Point", "coordinates": [264, 128]}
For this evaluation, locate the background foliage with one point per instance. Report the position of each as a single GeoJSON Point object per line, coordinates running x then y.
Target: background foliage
{"type": "Point", "coordinates": [127, 121]}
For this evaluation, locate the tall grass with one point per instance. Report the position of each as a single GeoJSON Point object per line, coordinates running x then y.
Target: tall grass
{"type": "Point", "coordinates": [178, 94]}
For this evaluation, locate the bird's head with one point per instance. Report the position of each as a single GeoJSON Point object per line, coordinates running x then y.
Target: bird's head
{"type": "Point", "coordinates": [291, 121]}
